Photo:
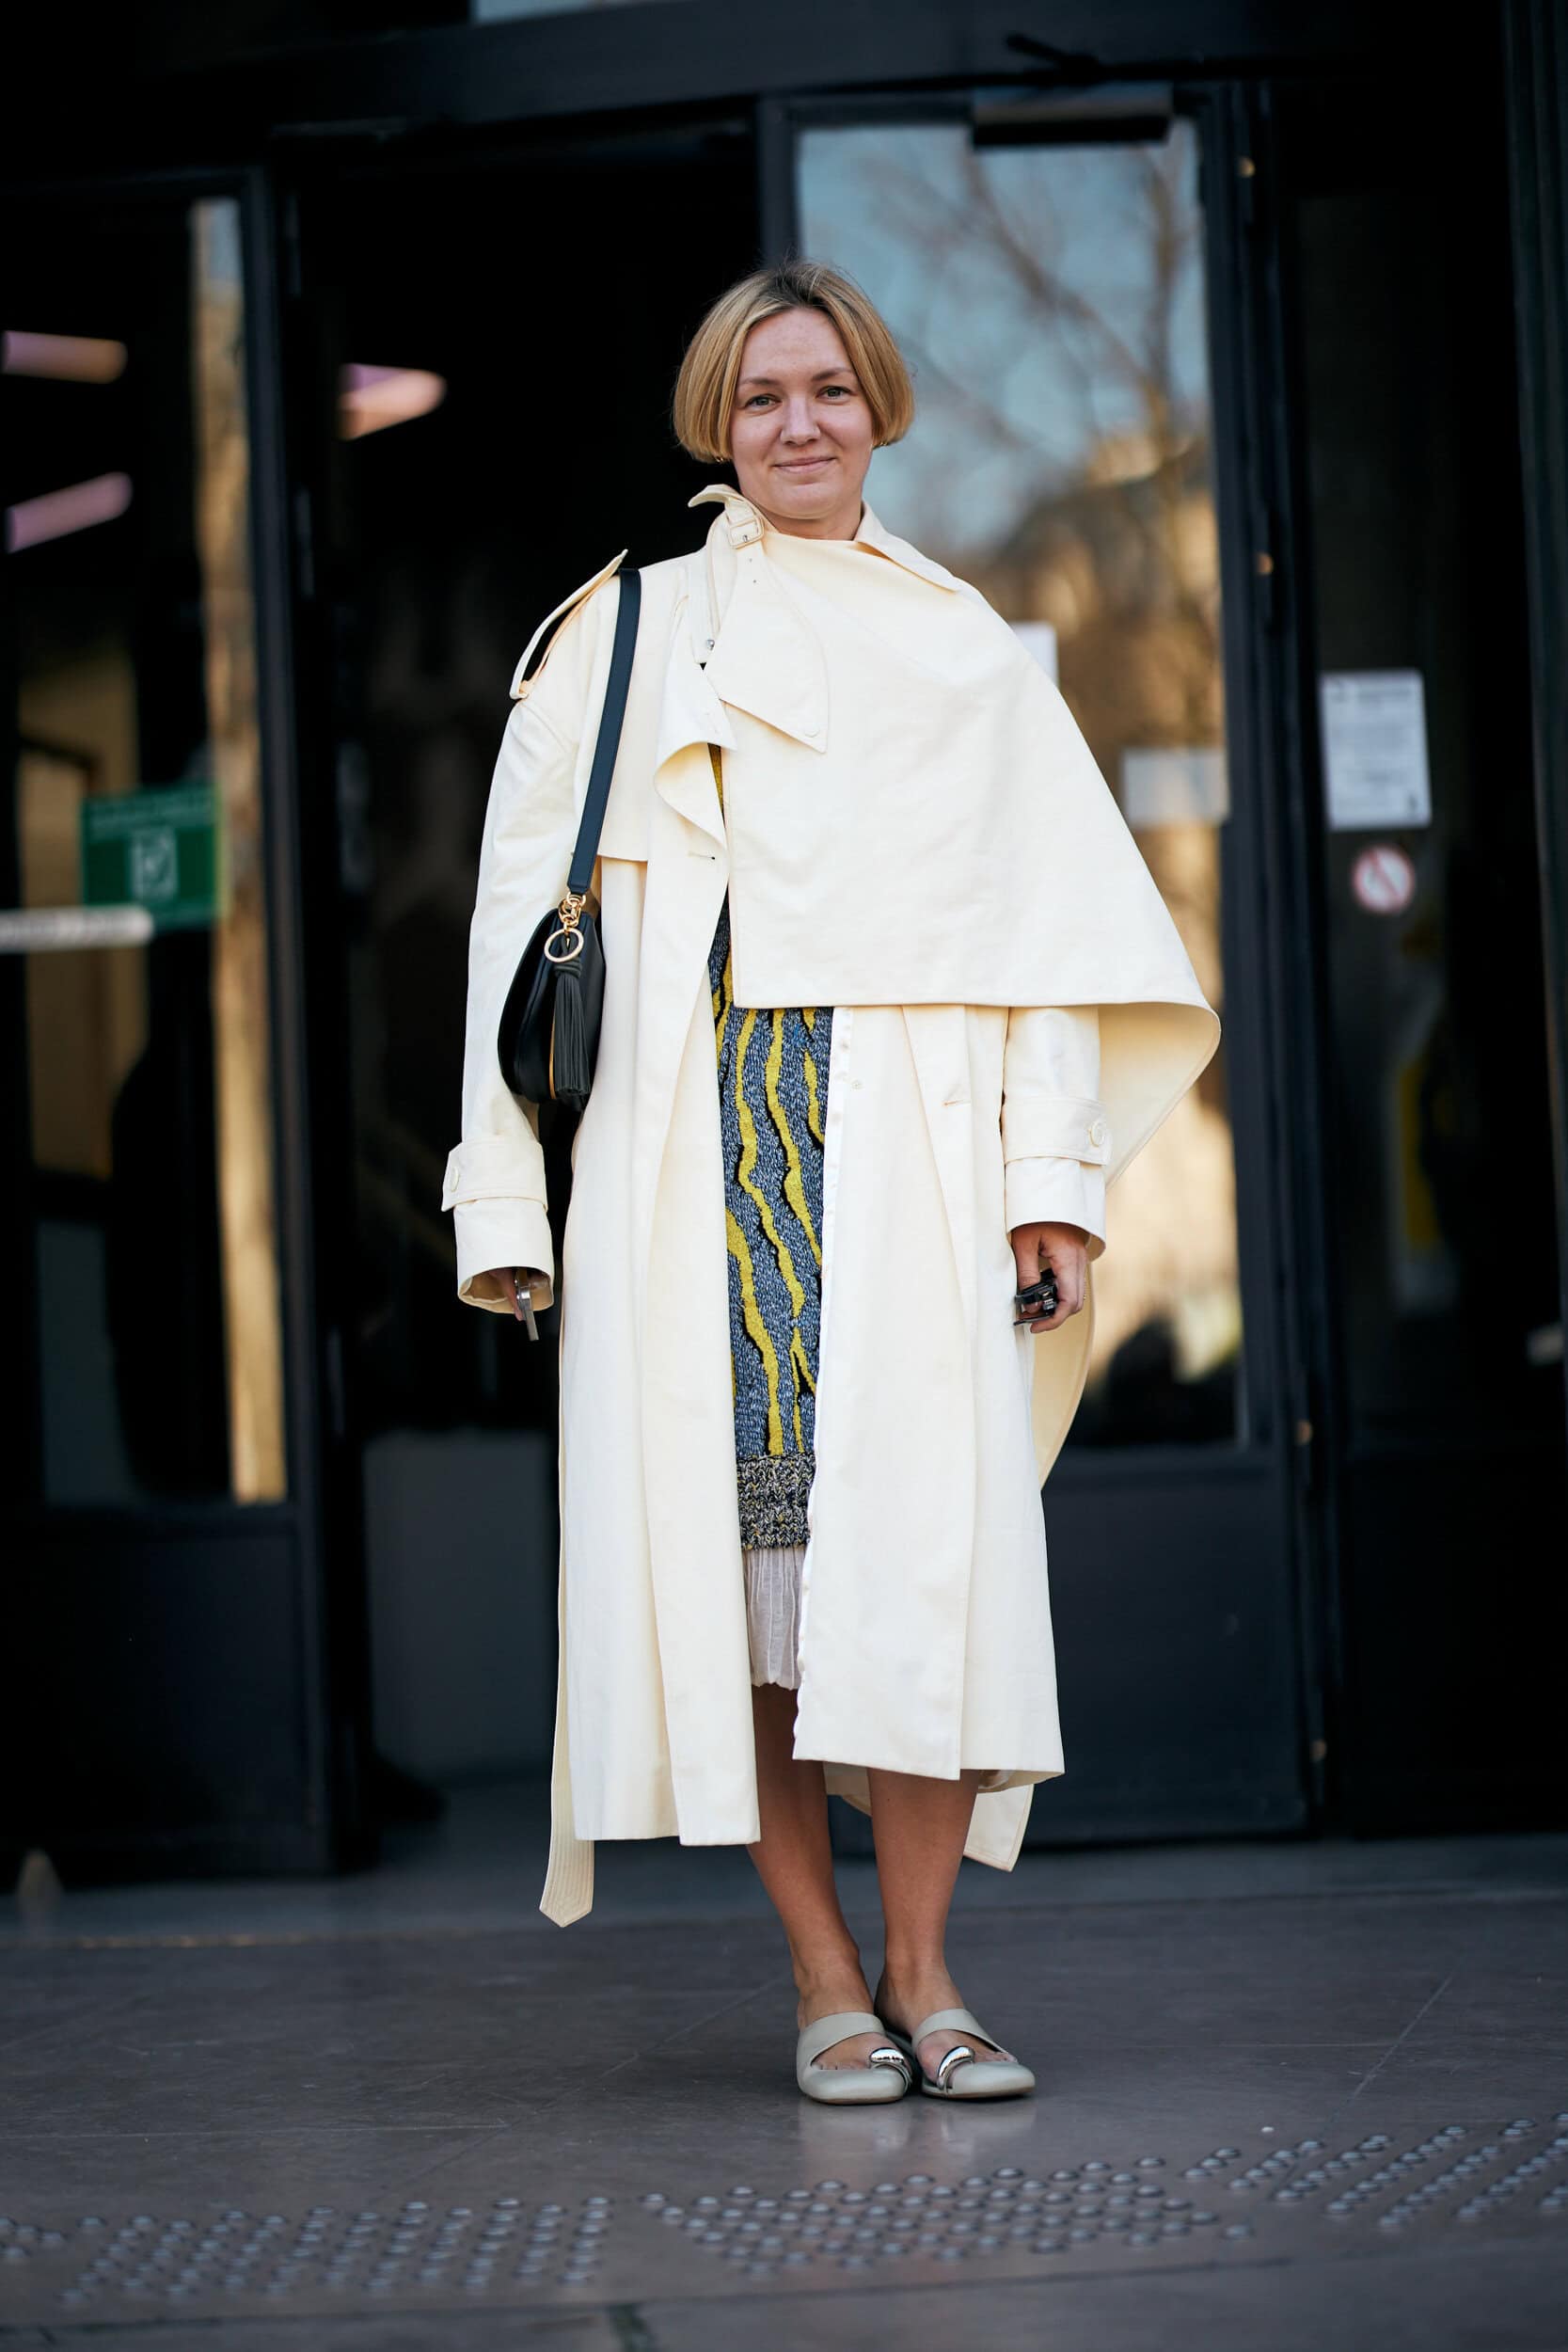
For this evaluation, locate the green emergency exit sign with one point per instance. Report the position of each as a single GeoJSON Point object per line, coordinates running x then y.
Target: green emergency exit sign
{"type": "Point", "coordinates": [156, 849]}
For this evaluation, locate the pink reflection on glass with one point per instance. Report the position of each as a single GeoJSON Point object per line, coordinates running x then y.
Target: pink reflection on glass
{"type": "Point", "coordinates": [32, 521]}
{"type": "Point", "coordinates": [370, 399]}
{"type": "Point", "coordinates": [66, 359]}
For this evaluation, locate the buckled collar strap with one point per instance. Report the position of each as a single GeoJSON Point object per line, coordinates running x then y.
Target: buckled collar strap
{"type": "Point", "coordinates": [744, 524]}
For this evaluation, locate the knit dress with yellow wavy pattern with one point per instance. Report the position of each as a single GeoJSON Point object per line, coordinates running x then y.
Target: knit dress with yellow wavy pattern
{"type": "Point", "coordinates": [772, 1091]}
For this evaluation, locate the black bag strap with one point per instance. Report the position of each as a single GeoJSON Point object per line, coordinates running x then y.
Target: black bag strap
{"type": "Point", "coordinates": [612, 719]}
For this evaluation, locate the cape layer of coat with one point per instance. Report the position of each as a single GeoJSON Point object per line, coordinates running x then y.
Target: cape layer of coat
{"type": "Point", "coordinates": [912, 814]}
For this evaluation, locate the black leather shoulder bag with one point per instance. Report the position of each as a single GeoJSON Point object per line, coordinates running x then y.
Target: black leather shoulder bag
{"type": "Point", "coordinates": [549, 1036]}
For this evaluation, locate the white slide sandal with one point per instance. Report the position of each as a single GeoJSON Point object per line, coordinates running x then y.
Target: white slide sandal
{"type": "Point", "coordinates": [887, 2076]}
{"type": "Point", "coordinates": [964, 2072]}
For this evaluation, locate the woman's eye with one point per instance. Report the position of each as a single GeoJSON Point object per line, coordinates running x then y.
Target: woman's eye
{"type": "Point", "coordinates": [764, 399]}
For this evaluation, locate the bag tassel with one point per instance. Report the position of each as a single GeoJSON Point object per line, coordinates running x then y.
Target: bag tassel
{"type": "Point", "coordinates": [570, 1075]}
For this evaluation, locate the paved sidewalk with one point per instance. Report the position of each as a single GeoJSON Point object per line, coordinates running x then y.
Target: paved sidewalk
{"type": "Point", "coordinates": [1287, 2094]}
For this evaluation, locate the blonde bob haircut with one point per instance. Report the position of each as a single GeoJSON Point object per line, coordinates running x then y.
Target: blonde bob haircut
{"type": "Point", "coordinates": [704, 388]}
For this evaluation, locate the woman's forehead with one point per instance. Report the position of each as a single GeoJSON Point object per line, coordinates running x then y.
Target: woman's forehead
{"type": "Point", "coordinates": [793, 340]}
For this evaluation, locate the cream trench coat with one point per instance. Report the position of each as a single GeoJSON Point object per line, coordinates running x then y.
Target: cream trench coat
{"type": "Point", "coordinates": [925, 1641]}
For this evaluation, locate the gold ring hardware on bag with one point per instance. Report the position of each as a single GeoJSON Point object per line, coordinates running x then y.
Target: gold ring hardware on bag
{"type": "Point", "coordinates": [568, 939]}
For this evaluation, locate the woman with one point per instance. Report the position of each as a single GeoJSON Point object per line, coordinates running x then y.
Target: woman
{"type": "Point", "coordinates": [891, 997]}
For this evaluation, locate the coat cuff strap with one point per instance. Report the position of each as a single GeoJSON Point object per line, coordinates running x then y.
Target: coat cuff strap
{"type": "Point", "coordinates": [1066, 1126]}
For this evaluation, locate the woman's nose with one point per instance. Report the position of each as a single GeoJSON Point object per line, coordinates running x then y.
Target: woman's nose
{"type": "Point", "coordinates": [799, 423]}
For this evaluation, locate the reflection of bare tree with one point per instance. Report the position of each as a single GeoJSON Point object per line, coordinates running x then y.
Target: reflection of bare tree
{"type": "Point", "coordinates": [952, 227]}
{"type": "Point", "coordinates": [1115, 513]}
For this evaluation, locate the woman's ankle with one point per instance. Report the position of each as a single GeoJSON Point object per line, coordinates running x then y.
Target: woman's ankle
{"type": "Point", "coordinates": [827, 1972]}
{"type": "Point", "coordinates": [912, 1979]}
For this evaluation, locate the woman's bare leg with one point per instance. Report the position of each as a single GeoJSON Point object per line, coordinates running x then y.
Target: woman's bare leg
{"type": "Point", "coordinates": [795, 1862]}
{"type": "Point", "coordinates": [920, 1827]}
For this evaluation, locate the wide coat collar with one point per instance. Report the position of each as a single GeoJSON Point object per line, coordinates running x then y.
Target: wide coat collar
{"type": "Point", "coordinates": [738, 640]}
{"type": "Point", "coordinates": [765, 657]}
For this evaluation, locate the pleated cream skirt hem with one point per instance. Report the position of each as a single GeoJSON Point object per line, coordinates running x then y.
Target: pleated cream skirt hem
{"type": "Point", "coordinates": [773, 1612]}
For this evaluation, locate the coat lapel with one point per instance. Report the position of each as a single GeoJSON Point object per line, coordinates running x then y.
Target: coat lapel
{"type": "Point", "coordinates": [766, 657]}
{"type": "Point", "coordinates": [692, 716]}
{"type": "Point", "coordinates": [687, 874]}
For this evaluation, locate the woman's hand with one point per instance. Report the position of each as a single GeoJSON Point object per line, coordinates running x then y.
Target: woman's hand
{"type": "Point", "coordinates": [507, 1278]}
{"type": "Point", "coordinates": [1062, 1249]}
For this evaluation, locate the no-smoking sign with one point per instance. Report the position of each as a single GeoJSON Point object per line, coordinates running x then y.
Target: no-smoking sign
{"type": "Point", "coordinates": [1383, 879]}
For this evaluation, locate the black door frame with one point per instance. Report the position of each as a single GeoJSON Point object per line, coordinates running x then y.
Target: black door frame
{"type": "Point", "coordinates": [688, 55]}
{"type": "Point", "coordinates": [1267, 655]}
{"type": "Point", "coordinates": [1535, 64]}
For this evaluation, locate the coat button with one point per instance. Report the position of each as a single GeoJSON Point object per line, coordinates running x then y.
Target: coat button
{"type": "Point", "coordinates": [1097, 1133]}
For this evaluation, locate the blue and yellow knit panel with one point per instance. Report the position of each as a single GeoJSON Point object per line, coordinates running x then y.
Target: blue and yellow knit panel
{"type": "Point", "coordinates": [772, 1089]}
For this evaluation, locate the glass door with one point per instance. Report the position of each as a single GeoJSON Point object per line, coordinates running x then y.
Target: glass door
{"type": "Point", "coordinates": [159, 1486]}
{"type": "Point", "coordinates": [140, 921]}
{"type": "Point", "coordinates": [1046, 268]}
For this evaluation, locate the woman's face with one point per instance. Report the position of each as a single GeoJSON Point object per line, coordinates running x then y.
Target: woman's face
{"type": "Point", "coordinates": [800, 429]}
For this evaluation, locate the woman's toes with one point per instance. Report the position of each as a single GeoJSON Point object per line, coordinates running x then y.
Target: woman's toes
{"type": "Point", "coordinates": [855, 2052]}
{"type": "Point", "coordinates": [936, 2046]}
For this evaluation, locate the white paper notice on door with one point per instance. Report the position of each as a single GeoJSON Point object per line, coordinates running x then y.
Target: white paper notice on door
{"type": "Point", "coordinates": [1038, 639]}
{"type": "Point", "coordinates": [1375, 730]}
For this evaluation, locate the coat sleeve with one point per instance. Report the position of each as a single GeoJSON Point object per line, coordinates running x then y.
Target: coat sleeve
{"type": "Point", "coordinates": [494, 1178]}
{"type": "Point", "coordinates": [1056, 1139]}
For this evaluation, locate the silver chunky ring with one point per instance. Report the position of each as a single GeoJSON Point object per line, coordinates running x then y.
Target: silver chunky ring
{"type": "Point", "coordinates": [889, 2056]}
{"type": "Point", "coordinates": [962, 2056]}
